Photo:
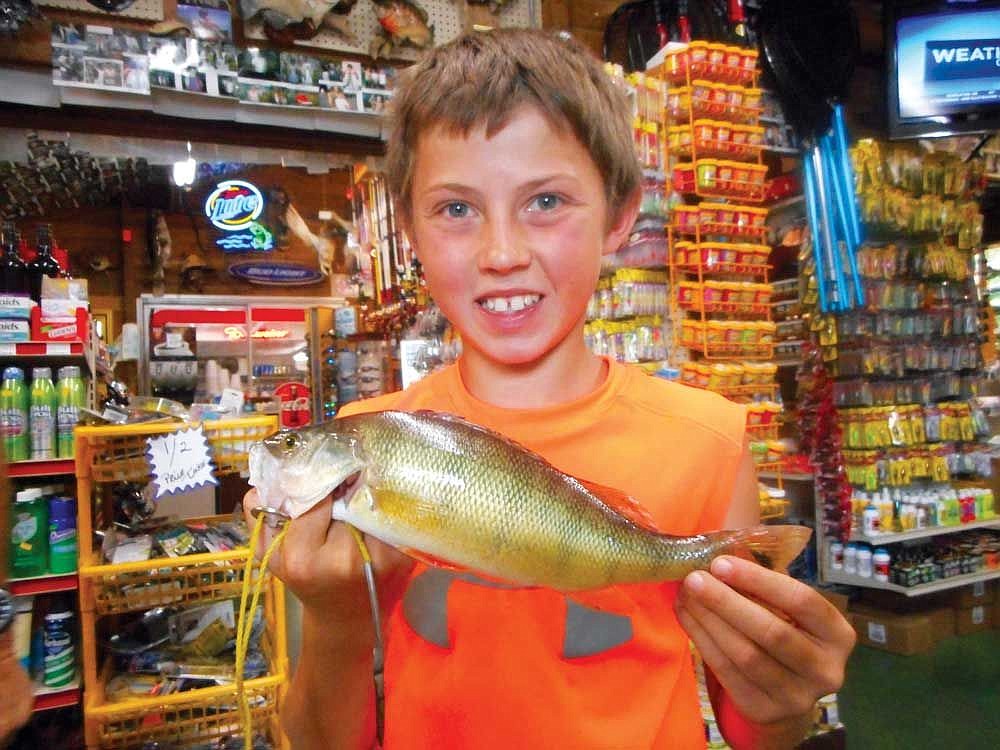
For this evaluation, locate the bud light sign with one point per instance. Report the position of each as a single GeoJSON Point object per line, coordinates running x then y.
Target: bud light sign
{"type": "Point", "coordinates": [234, 207]}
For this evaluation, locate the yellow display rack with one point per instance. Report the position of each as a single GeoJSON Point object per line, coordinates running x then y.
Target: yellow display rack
{"type": "Point", "coordinates": [117, 453]}
{"type": "Point", "coordinates": [715, 146]}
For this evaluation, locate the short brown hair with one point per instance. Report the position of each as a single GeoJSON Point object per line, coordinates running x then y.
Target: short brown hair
{"type": "Point", "coordinates": [483, 77]}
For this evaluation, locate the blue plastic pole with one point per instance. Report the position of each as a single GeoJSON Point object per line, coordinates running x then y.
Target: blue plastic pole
{"type": "Point", "coordinates": [847, 169]}
{"type": "Point", "coordinates": [842, 224]}
{"type": "Point", "coordinates": [812, 212]}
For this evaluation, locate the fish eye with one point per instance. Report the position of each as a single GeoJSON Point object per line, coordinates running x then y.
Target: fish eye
{"type": "Point", "coordinates": [291, 440]}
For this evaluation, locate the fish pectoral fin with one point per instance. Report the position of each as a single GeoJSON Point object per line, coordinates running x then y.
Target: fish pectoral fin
{"type": "Point", "coordinates": [434, 562]}
{"type": "Point", "coordinates": [627, 505]}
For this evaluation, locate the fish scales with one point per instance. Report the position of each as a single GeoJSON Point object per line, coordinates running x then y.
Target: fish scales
{"type": "Point", "coordinates": [441, 488]}
{"type": "Point", "coordinates": [500, 509]}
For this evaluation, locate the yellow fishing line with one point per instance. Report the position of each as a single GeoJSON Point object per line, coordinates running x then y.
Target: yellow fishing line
{"type": "Point", "coordinates": [365, 554]}
{"type": "Point", "coordinates": [244, 626]}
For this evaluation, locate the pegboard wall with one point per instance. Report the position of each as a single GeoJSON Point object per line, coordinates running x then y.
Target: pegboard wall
{"type": "Point", "coordinates": [444, 15]}
{"type": "Point", "coordinates": [147, 10]}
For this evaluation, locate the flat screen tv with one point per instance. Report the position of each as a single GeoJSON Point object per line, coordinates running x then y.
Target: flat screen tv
{"type": "Point", "coordinates": [943, 66]}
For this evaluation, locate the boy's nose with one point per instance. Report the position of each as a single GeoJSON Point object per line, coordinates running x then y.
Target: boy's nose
{"type": "Point", "coordinates": [502, 250]}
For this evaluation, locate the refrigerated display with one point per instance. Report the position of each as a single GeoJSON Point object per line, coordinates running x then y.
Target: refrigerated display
{"type": "Point", "coordinates": [193, 348]}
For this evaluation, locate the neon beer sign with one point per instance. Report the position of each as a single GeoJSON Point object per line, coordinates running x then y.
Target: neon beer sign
{"type": "Point", "coordinates": [234, 207]}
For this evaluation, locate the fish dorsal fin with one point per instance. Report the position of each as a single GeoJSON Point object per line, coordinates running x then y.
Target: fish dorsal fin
{"type": "Point", "coordinates": [624, 504]}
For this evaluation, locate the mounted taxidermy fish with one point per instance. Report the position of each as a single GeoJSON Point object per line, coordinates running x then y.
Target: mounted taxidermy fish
{"type": "Point", "coordinates": [285, 21]}
{"type": "Point", "coordinates": [402, 23]}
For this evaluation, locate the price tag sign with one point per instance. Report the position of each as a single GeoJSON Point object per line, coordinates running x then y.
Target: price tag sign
{"type": "Point", "coordinates": [179, 461]}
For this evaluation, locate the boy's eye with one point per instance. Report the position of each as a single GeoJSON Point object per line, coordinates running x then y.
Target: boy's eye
{"type": "Point", "coordinates": [545, 202]}
{"type": "Point", "coordinates": [457, 209]}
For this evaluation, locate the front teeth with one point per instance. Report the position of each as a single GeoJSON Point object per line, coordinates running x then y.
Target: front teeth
{"type": "Point", "coordinates": [515, 304]}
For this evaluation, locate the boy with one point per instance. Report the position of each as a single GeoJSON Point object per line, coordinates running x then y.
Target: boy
{"type": "Point", "coordinates": [513, 168]}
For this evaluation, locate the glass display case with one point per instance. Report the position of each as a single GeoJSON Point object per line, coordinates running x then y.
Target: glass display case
{"type": "Point", "coordinates": [270, 349]}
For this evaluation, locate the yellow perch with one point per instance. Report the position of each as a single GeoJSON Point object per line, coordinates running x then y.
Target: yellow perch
{"type": "Point", "coordinates": [455, 494]}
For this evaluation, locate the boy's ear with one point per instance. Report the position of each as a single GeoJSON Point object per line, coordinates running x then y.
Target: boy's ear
{"type": "Point", "coordinates": [622, 223]}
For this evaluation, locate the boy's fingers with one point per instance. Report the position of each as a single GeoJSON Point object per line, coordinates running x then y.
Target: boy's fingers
{"type": "Point", "coordinates": [811, 611]}
{"type": "Point", "coordinates": [715, 658]}
{"type": "Point", "coordinates": [756, 665]}
{"type": "Point", "coordinates": [783, 641]}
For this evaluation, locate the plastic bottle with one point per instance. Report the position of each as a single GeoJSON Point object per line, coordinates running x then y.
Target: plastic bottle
{"type": "Point", "coordinates": [13, 274]}
{"type": "Point", "coordinates": [851, 559]}
{"type": "Point", "coordinates": [14, 403]}
{"type": "Point", "coordinates": [43, 264]}
{"type": "Point", "coordinates": [44, 403]}
{"type": "Point", "coordinates": [72, 397]}
{"type": "Point", "coordinates": [60, 637]}
{"type": "Point", "coordinates": [29, 534]}
{"type": "Point", "coordinates": [836, 555]}
{"type": "Point", "coordinates": [881, 562]}
{"type": "Point", "coordinates": [62, 535]}
{"type": "Point", "coordinates": [871, 519]}
{"type": "Point", "coordinates": [865, 561]}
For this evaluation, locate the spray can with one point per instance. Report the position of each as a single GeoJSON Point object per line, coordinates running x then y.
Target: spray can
{"type": "Point", "coordinates": [14, 415]}
{"type": "Point", "coordinates": [72, 397]}
{"type": "Point", "coordinates": [43, 414]}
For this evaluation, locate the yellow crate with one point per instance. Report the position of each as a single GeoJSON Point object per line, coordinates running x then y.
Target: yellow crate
{"type": "Point", "coordinates": [186, 719]}
{"type": "Point", "coordinates": [198, 715]}
{"type": "Point", "coordinates": [117, 453]}
{"type": "Point", "coordinates": [135, 586]}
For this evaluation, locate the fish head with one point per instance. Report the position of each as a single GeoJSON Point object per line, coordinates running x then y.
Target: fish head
{"type": "Point", "coordinates": [293, 470]}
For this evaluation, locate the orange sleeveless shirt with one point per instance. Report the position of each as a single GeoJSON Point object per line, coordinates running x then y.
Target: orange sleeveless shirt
{"type": "Point", "coordinates": [473, 665]}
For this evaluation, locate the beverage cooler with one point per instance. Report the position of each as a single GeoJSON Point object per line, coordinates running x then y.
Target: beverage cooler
{"type": "Point", "coordinates": [193, 348]}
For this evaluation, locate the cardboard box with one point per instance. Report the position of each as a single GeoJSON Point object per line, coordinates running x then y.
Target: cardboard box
{"type": "Point", "coordinates": [981, 593]}
{"type": "Point", "coordinates": [902, 604]}
{"type": "Point", "coordinates": [899, 634]}
{"type": "Point", "coordinates": [942, 623]}
{"type": "Point", "coordinates": [973, 619]}
{"type": "Point", "coordinates": [15, 330]}
{"type": "Point", "coordinates": [15, 306]}
{"type": "Point", "coordinates": [839, 599]}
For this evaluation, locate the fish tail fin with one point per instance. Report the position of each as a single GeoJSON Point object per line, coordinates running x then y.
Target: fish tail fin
{"type": "Point", "coordinates": [773, 547]}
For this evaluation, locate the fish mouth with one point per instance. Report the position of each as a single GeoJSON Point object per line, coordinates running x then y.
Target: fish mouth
{"type": "Point", "coordinates": [297, 489]}
{"type": "Point", "coordinates": [344, 492]}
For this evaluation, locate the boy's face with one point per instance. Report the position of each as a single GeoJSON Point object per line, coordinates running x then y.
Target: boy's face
{"type": "Point", "coordinates": [510, 231]}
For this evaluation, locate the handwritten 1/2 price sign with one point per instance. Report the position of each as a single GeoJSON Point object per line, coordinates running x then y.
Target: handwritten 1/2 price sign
{"type": "Point", "coordinates": [180, 461]}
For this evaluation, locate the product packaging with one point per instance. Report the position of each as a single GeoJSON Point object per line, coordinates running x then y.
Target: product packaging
{"type": "Point", "coordinates": [12, 331]}
{"type": "Point", "coordinates": [906, 634]}
{"type": "Point", "coordinates": [15, 307]}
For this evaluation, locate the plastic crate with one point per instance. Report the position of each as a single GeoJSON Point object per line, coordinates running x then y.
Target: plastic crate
{"type": "Point", "coordinates": [118, 453]}
{"type": "Point", "coordinates": [131, 587]}
{"type": "Point", "coordinates": [200, 715]}
{"type": "Point", "coordinates": [187, 719]}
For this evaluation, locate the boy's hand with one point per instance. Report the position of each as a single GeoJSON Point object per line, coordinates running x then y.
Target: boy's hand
{"type": "Point", "coordinates": [320, 562]}
{"type": "Point", "coordinates": [773, 643]}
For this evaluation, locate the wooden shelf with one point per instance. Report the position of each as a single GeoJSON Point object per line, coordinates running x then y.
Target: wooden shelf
{"type": "Point", "coordinates": [47, 584]}
{"type": "Point", "coordinates": [45, 467]}
{"type": "Point", "coordinates": [891, 538]}
{"type": "Point", "coordinates": [919, 590]}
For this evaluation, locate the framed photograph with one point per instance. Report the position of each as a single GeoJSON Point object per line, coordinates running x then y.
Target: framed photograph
{"type": "Point", "coordinates": [102, 73]}
{"type": "Point", "coordinates": [352, 75]}
{"type": "Point", "coordinates": [193, 80]}
{"type": "Point", "coordinates": [300, 70]}
{"type": "Point", "coordinates": [209, 20]}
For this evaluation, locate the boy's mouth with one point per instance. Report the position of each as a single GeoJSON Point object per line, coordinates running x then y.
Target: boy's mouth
{"type": "Point", "coordinates": [510, 303]}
